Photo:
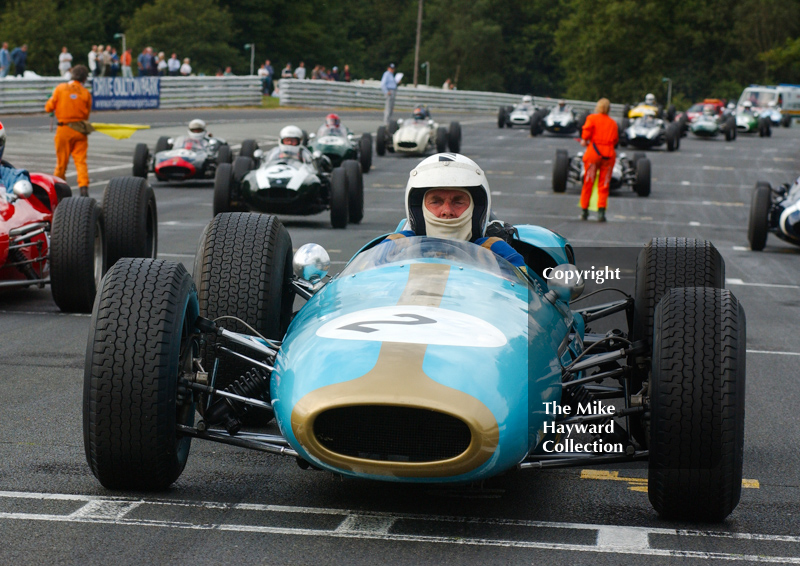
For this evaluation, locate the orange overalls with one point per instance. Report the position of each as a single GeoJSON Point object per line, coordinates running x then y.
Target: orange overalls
{"type": "Point", "coordinates": [602, 134]}
{"type": "Point", "coordinates": [71, 102]}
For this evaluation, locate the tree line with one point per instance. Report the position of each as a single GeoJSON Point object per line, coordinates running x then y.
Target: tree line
{"type": "Point", "coordinates": [581, 49]}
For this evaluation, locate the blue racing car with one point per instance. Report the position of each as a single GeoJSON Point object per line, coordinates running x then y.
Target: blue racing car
{"type": "Point", "coordinates": [425, 360]}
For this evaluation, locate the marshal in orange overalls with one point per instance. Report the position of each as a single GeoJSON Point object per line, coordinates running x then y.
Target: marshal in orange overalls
{"type": "Point", "coordinates": [602, 134]}
{"type": "Point", "coordinates": [71, 102]}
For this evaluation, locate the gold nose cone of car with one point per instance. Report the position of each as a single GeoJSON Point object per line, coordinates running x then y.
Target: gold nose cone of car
{"type": "Point", "coordinates": [398, 380]}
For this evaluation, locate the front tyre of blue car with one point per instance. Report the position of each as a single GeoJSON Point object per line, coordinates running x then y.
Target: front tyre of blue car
{"type": "Point", "coordinates": [141, 341]}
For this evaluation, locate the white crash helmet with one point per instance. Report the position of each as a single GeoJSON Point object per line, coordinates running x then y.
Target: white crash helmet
{"type": "Point", "coordinates": [448, 170]}
{"type": "Point", "coordinates": [650, 98]}
{"type": "Point", "coordinates": [527, 99]}
{"type": "Point", "coordinates": [197, 126]}
{"type": "Point", "coordinates": [290, 132]}
{"type": "Point", "coordinates": [2, 140]}
{"type": "Point", "coordinates": [747, 105]}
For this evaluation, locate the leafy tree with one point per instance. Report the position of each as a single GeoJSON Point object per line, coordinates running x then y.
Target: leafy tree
{"type": "Point", "coordinates": [36, 23]}
{"type": "Point", "coordinates": [198, 29]}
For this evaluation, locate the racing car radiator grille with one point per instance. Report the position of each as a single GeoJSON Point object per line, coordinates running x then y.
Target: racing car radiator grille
{"type": "Point", "coordinates": [407, 144]}
{"type": "Point", "coordinates": [177, 173]}
{"type": "Point", "coordinates": [397, 434]}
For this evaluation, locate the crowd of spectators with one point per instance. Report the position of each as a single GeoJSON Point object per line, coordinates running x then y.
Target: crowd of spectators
{"type": "Point", "coordinates": [267, 74]}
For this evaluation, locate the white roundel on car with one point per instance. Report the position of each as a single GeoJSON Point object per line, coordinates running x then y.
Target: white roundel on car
{"type": "Point", "coordinates": [412, 324]}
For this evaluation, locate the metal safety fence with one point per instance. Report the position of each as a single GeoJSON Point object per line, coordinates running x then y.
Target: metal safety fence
{"type": "Point", "coordinates": [19, 96]}
{"type": "Point", "coordinates": [294, 92]}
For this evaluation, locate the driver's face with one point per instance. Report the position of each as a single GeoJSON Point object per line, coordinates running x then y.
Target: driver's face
{"type": "Point", "coordinates": [447, 203]}
{"type": "Point", "coordinates": [290, 141]}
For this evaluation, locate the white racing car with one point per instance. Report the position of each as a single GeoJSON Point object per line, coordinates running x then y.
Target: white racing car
{"type": "Point", "coordinates": [561, 119]}
{"type": "Point", "coordinates": [418, 136]}
{"type": "Point", "coordinates": [776, 210]}
{"type": "Point", "coordinates": [647, 132]}
{"type": "Point", "coordinates": [521, 114]}
{"type": "Point", "coordinates": [633, 172]}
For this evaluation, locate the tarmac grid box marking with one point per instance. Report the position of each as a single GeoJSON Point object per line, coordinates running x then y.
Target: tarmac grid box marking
{"type": "Point", "coordinates": [603, 539]}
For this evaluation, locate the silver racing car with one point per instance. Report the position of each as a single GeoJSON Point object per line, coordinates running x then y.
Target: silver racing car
{"type": "Point", "coordinates": [628, 171]}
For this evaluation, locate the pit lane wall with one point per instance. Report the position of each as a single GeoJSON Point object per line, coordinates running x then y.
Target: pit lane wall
{"type": "Point", "coordinates": [296, 92]}
{"type": "Point", "coordinates": [18, 96]}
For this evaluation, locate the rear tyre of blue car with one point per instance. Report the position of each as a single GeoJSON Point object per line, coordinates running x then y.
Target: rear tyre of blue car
{"type": "Point", "coordinates": [132, 404]}
{"type": "Point", "coordinates": [697, 395]}
{"type": "Point", "coordinates": [243, 268]}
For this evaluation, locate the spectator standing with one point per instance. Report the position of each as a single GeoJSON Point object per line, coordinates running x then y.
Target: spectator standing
{"type": "Point", "coordinates": [228, 72]}
{"type": "Point", "coordinates": [100, 64]}
{"type": "Point", "coordinates": [64, 61]}
{"type": "Point", "coordinates": [161, 64]}
{"type": "Point", "coordinates": [334, 76]}
{"type": "Point", "coordinates": [287, 71]}
{"type": "Point", "coordinates": [300, 71]}
{"type": "Point", "coordinates": [270, 76]}
{"type": "Point", "coordinates": [140, 62]}
{"type": "Point", "coordinates": [5, 60]}
{"type": "Point", "coordinates": [126, 63]}
{"type": "Point", "coordinates": [323, 73]}
{"type": "Point", "coordinates": [174, 66]}
{"type": "Point", "coordinates": [262, 76]}
{"type": "Point", "coordinates": [92, 59]}
{"type": "Point", "coordinates": [71, 103]}
{"type": "Point", "coordinates": [315, 73]}
{"type": "Point", "coordinates": [186, 68]}
{"type": "Point", "coordinates": [20, 58]}
{"type": "Point", "coordinates": [114, 68]}
{"type": "Point", "coordinates": [448, 84]}
{"type": "Point", "coordinates": [389, 88]}
{"type": "Point", "coordinates": [151, 64]}
{"type": "Point", "coordinates": [346, 74]}
{"type": "Point", "coordinates": [105, 57]}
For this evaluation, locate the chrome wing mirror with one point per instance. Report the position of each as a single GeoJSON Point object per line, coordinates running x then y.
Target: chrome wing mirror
{"type": "Point", "coordinates": [310, 265]}
{"type": "Point", "coordinates": [565, 283]}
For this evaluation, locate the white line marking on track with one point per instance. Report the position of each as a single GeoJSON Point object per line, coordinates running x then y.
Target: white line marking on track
{"type": "Point", "coordinates": [101, 169]}
{"type": "Point", "coordinates": [610, 539]}
{"type": "Point", "coordinates": [772, 353]}
{"type": "Point", "coordinates": [734, 281]}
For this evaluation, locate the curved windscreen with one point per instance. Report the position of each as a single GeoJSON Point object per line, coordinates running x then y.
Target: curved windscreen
{"type": "Point", "coordinates": [185, 142]}
{"type": "Point", "coordinates": [433, 250]}
{"type": "Point", "coordinates": [288, 155]}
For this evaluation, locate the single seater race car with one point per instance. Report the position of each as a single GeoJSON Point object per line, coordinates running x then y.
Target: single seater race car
{"type": "Point", "coordinates": [648, 132]}
{"type": "Point", "coordinates": [519, 114]}
{"type": "Point", "coordinates": [290, 180]}
{"type": "Point", "coordinates": [750, 121]}
{"type": "Point", "coordinates": [181, 158]}
{"type": "Point", "coordinates": [558, 120]}
{"type": "Point", "coordinates": [339, 144]}
{"type": "Point", "coordinates": [424, 361]}
{"type": "Point", "coordinates": [633, 172]}
{"type": "Point", "coordinates": [50, 237]}
{"type": "Point", "coordinates": [774, 210]}
{"type": "Point", "coordinates": [711, 124]}
{"type": "Point", "coordinates": [418, 135]}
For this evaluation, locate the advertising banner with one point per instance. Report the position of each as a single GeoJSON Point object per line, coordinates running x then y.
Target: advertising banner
{"type": "Point", "coordinates": [123, 93]}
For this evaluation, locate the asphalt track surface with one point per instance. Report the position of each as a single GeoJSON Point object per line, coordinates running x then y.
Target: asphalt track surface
{"type": "Point", "coordinates": [232, 505]}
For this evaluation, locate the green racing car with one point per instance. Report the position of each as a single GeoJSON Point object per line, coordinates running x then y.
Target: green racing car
{"type": "Point", "coordinates": [339, 144]}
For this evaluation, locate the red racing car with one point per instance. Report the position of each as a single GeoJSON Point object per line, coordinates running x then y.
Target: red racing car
{"type": "Point", "coordinates": [50, 237]}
